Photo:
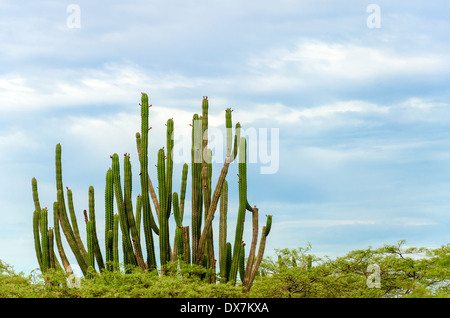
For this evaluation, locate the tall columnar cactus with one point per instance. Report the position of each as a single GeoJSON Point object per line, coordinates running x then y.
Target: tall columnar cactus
{"type": "Point", "coordinates": [97, 251]}
{"type": "Point", "coordinates": [148, 220]}
{"type": "Point", "coordinates": [130, 213]}
{"type": "Point", "coordinates": [196, 166]}
{"type": "Point", "coordinates": [164, 249]}
{"type": "Point", "coordinates": [65, 224]}
{"type": "Point", "coordinates": [74, 223]}
{"type": "Point", "coordinates": [242, 209]}
{"type": "Point", "coordinates": [109, 219]}
{"type": "Point", "coordinates": [223, 231]}
{"type": "Point", "coordinates": [57, 233]}
{"type": "Point", "coordinates": [129, 255]}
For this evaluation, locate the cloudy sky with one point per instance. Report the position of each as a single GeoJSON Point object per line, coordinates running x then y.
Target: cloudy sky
{"type": "Point", "coordinates": [351, 96]}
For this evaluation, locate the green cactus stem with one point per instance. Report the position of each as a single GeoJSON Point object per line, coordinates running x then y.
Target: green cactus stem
{"type": "Point", "coordinates": [217, 190]}
{"type": "Point", "coordinates": [138, 214]}
{"type": "Point", "coordinates": [37, 239]}
{"type": "Point", "coordinates": [151, 189]}
{"type": "Point", "coordinates": [169, 165]}
{"type": "Point", "coordinates": [74, 223]}
{"type": "Point", "coordinates": [164, 249]}
{"type": "Point", "coordinates": [129, 256]}
{"type": "Point", "coordinates": [116, 265]}
{"type": "Point", "coordinates": [44, 239]}
{"type": "Point", "coordinates": [65, 224]}
{"type": "Point", "coordinates": [57, 235]}
{"type": "Point", "coordinates": [97, 251]}
{"type": "Point", "coordinates": [149, 222]}
{"type": "Point", "coordinates": [184, 174]}
{"type": "Point", "coordinates": [109, 218]}
{"type": "Point", "coordinates": [186, 245]}
{"type": "Point", "coordinates": [129, 212]}
{"type": "Point", "coordinates": [51, 252]}
{"type": "Point", "coordinates": [223, 231]}
{"type": "Point", "coordinates": [196, 166]}
{"type": "Point", "coordinates": [242, 262]}
{"type": "Point", "coordinates": [242, 209]}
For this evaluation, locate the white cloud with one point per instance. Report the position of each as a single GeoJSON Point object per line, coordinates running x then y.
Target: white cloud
{"type": "Point", "coordinates": [312, 62]}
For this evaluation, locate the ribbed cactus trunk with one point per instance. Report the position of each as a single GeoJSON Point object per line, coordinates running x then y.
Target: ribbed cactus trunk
{"type": "Point", "coordinates": [148, 221]}
{"type": "Point", "coordinates": [129, 256]}
{"type": "Point", "coordinates": [242, 209]}
{"type": "Point", "coordinates": [97, 252]}
{"type": "Point", "coordinates": [65, 224]}
{"type": "Point", "coordinates": [164, 249]}
{"type": "Point", "coordinates": [109, 219]}
{"type": "Point", "coordinates": [196, 166]}
{"type": "Point", "coordinates": [130, 213]}
{"type": "Point", "coordinates": [223, 232]}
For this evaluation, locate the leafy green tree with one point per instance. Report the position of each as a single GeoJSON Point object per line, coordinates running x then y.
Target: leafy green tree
{"type": "Point", "coordinates": [400, 272]}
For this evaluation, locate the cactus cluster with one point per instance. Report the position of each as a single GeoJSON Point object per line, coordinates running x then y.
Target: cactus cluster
{"type": "Point", "coordinates": [191, 244]}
